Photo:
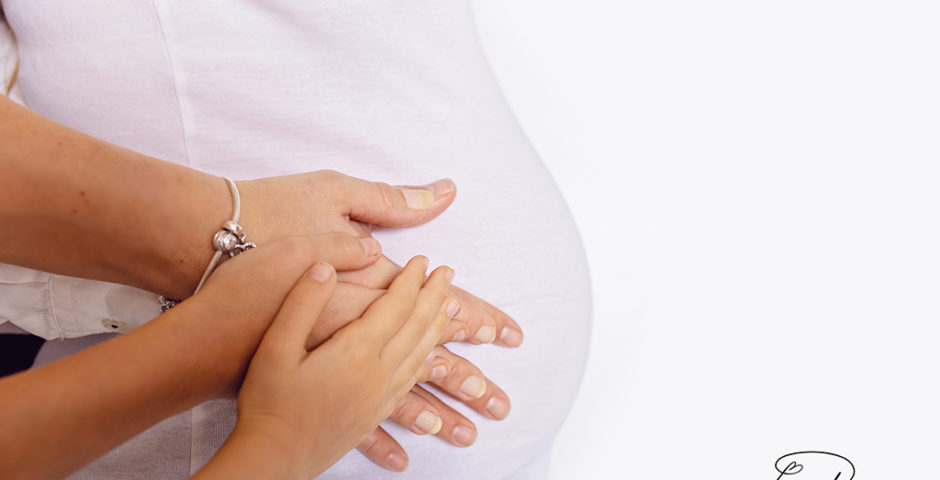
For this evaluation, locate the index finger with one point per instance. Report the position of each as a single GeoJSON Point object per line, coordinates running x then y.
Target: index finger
{"type": "Point", "coordinates": [390, 311]}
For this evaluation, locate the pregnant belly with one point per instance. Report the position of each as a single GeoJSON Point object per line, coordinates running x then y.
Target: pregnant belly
{"type": "Point", "coordinates": [512, 242]}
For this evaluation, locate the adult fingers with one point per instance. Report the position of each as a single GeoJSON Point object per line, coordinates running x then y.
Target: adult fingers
{"type": "Point", "coordinates": [346, 252]}
{"type": "Point", "coordinates": [390, 311]}
{"type": "Point", "coordinates": [429, 302]}
{"type": "Point", "coordinates": [483, 323]}
{"type": "Point", "coordinates": [461, 379]}
{"type": "Point", "coordinates": [456, 429]}
{"type": "Point", "coordinates": [300, 310]}
{"type": "Point", "coordinates": [418, 415]}
{"type": "Point", "coordinates": [384, 451]}
{"type": "Point", "coordinates": [378, 275]}
{"type": "Point", "coordinates": [384, 205]}
{"type": "Point", "coordinates": [477, 322]}
{"type": "Point", "coordinates": [444, 192]}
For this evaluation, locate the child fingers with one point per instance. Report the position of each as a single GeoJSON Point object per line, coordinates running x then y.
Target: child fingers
{"type": "Point", "coordinates": [387, 314]}
{"type": "Point", "coordinates": [300, 309]}
{"type": "Point", "coordinates": [348, 303]}
{"type": "Point", "coordinates": [382, 449]}
{"type": "Point", "coordinates": [410, 366]}
{"type": "Point", "coordinates": [426, 307]}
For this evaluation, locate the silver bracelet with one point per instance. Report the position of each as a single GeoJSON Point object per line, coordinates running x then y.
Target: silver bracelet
{"type": "Point", "coordinates": [231, 240]}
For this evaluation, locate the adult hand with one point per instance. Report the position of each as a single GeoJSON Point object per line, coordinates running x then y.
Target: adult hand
{"type": "Point", "coordinates": [420, 411]}
{"type": "Point", "coordinates": [328, 201]}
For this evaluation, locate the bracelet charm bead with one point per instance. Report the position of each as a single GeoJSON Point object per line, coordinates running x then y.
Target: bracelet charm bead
{"type": "Point", "coordinates": [231, 241]}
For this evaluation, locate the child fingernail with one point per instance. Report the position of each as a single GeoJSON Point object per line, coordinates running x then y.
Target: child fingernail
{"type": "Point", "coordinates": [429, 422]}
{"type": "Point", "coordinates": [423, 262]}
{"type": "Point", "coordinates": [418, 199]}
{"type": "Point", "coordinates": [321, 272]}
{"type": "Point", "coordinates": [473, 387]}
{"type": "Point", "coordinates": [396, 462]}
{"type": "Point", "coordinates": [485, 334]}
{"type": "Point", "coordinates": [464, 436]}
{"type": "Point", "coordinates": [510, 337]}
{"type": "Point", "coordinates": [459, 335]}
{"type": "Point", "coordinates": [449, 275]}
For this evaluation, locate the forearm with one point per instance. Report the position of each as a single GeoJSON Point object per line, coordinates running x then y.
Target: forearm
{"type": "Point", "coordinates": [76, 205]}
{"type": "Point", "coordinates": [58, 417]}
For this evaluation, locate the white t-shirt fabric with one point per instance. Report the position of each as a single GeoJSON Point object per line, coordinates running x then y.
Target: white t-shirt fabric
{"type": "Point", "coordinates": [383, 90]}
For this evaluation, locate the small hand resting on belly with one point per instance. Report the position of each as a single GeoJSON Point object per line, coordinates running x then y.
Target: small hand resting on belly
{"type": "Point", "coordinates": [300, 411]}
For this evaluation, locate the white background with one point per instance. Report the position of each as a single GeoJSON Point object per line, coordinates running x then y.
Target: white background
{"type": "Point", "coordinates": [757, 188]}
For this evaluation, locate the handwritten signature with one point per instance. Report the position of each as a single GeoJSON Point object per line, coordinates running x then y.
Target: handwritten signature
{"type": "Point", "coordinates": [815, 465]}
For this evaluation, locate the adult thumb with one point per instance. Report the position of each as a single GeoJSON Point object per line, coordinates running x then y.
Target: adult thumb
{"type": "Point", "coordinates": [383, 205]}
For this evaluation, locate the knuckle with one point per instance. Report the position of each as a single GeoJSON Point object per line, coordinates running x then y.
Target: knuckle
{"type": "Point", "coordinates": [371, 444]}
{"type": "Point", "coordinates": [460, 368]}
{"type": "Point", "coordinates": [408, 409]}
{"type": "Point", "coordinates": [349, 245]}
{"type": "Point", "coordinates": [386, 196]}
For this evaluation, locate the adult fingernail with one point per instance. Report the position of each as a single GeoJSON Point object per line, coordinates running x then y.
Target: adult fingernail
{"type": "Point", "coordinates": [464, 436]}
{"type": "Point", "coordinates": [418, 199]}
{"type": "Point", "coordinates": [429, 422]}
{"type": "Point", "coordinates": [453, 306]}
{"type": "Point", "coordinates": [370, 246]}
{"type": "Point", "coordinates": [396, 462]}
{"type": "Point", "coordinates": [438, 372]}
{"type": "Point", "coordinates": [510, 337]}
{"type": "Point", "coordinates": [459, 335]}
{"type": "Point", "coordinates": [485, 334]}
{"type": "Point", "coordinates": [473, 387]}
{"type": "Point", "coordinates": [321, 272]}
{"type": "Point", "coordinates": [497, 407]}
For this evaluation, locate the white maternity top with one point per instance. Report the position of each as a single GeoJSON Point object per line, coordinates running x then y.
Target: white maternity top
{"type": "Point", "coordinates": [397, 91]}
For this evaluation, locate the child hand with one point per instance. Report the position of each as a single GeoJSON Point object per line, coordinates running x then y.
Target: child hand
{"type": "Point", "coordinates": [300, 411]}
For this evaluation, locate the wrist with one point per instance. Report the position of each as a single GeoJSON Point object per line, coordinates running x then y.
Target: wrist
{"type": "Point", "coordinates": [253, 450]}
{"type": "Point", "coordinates": [195, 206]}
{"type": "Point", "coordinates": [254, 204]}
